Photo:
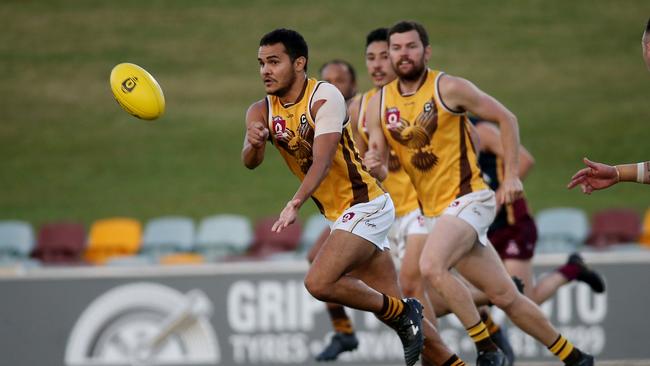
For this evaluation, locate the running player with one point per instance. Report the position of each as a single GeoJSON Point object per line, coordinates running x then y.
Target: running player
{"type": "Point", "coordinates": [307, 122]}
{"type": "Point", "coordinates": [422, 116]}
{"type": "Point", "coordinates": [514, 233]}
{"type": "Point", "coordinates": [381, 72]}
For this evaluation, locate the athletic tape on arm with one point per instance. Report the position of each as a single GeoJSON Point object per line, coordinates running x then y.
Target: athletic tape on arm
{"type": "Point", "coordinates": [332, 113]}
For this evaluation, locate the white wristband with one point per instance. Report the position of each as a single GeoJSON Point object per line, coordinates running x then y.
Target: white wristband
{"type": "Point", "coordinates": [639, 172]}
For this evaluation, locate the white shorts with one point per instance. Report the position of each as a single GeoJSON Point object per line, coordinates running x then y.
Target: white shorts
{"type": "Point", "coordinates": [369, 220]}
{"type": "Point", "coordinates": [477, 209]}
{"type": "Point", "coordinates": [411, 223]}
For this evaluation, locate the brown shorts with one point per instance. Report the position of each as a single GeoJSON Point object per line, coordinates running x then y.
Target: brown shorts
{"type": "Point", "coordinates": [515, 241]}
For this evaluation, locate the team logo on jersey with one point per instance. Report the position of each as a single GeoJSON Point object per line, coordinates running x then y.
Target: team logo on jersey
{"type": "Point", "coordinates": [416, 136]}
{"type": "Point", "coordinates": [454, 204]}
{"type": "Point", "coordinates": [392, 118]}
{"type": "Point", "coordinates": [297, 143]}
{"type": "Point", "coordinates": [347, 217]}
{"type": "Point", "coordinates": [279, 125]}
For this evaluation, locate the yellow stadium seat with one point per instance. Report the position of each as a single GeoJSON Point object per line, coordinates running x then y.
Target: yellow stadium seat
{"type": "Point", "coordinates": [182, 258]}
{"type": "Point", "coordinates": [112, 237]}
{"type": "Point", "coordinates": [645, 229]}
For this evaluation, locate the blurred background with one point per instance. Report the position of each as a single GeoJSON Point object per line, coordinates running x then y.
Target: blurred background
{"type": "Point", "coordinates": [571, 72]}
{"type": "Point", "coordinates": [82, 182]}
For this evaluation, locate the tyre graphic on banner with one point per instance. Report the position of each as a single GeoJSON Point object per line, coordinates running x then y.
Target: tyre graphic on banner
{"type": "Point", "coordinates": [144, 324]}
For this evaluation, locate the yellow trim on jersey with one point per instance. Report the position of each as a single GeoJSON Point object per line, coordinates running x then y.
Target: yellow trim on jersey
{"type": "Point", "coordinates": [292, 133]}
{"type": "Point", "coordinates": [432, 142]}
{"type": "Point", "coordinates": [397, 183]}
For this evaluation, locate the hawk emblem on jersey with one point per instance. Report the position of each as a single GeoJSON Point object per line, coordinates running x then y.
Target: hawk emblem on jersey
{"type": "Point", "coordinates": [299, 144]}
{"type": "Point", "coordinates": [393, 162]}
{"type": "Point", "coordinates": [416, 136]}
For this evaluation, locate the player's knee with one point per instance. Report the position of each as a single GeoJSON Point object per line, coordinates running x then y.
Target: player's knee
{"type": "Point", "coordinates": [317, 288]}
{"type": "Point", "coordinates": [503, 298]}
{"type": "Point", "coordinates": [432, 273]}
{"type": "Point", "coordinates": [411, 283]}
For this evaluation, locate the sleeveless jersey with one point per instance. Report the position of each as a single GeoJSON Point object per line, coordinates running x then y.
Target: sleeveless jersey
{"type": "Point", "coordinates": [397, 183]}
{"type": "Point", "coordinates": [432, 142]}
{"type": "Point", "coordinates": [292, 132]}
{"type": "Point", "coordinates": [493, 171]}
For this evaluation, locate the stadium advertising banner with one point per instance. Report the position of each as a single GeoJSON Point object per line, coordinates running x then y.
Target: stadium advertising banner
{"type": "Point", "coordinates": [260, 314]}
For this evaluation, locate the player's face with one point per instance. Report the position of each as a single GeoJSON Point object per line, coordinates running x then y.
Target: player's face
{"type": "Point", "coordinates": [277, 70]}
{"type": "Point", "coordinates": [378, 64]}
{"type": "Point", "coordinates": [407, 54]}
{"type": "Point", "coordinates": [340, 77]}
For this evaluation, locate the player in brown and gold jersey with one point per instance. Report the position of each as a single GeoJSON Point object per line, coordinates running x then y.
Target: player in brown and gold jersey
{"type": "Point", "coordinates": [307, 122]}
{"type": "Point", "coordinates": [422, 116]}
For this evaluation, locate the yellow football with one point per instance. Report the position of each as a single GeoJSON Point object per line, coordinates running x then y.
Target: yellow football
{"type": "Point", "coordinates": [137, 91]}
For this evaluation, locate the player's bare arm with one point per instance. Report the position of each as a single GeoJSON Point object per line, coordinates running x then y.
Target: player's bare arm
{"type": "Point", "coordinates": [461, 95]}
{"type": "Point", "coordinates": [257, 133]}
{"type": "Point", "coordinates": [353, 112]}
{"type": "Point", "coordinates": [598, 176]}
{"type": "Point", "coordinates": [376, 158]}
{"type": "Point", "coordinates": [490, 140]}
{"type": "Point", "coordinates": [323, 151]}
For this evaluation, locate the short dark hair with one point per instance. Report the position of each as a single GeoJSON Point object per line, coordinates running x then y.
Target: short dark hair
{"type": "Point", "coordinates": [292, 41]}
{"type": "Point", "coordinates": [407, 26]}
{"type": "Point", "coordinates": [353, 74]}
{"type": "Point", "coordinates": [377, 35]}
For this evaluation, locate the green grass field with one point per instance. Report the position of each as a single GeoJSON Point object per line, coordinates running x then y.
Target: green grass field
{"type": "Point", "coordinates": [570, 70]}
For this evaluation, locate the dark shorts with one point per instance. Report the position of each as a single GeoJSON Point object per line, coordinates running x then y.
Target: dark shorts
{"type": "Point", "coordinates": [515, 241]}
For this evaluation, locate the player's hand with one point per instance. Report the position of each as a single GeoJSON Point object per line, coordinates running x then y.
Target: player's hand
{"type": "Point", "coordinates": [512, 189]}
{"type": "Point", "coordinates": [287, 216]}
{"type": "Point", "coordinates": [257, 134]}
{"type": "Point", "coordinates": [594, 177]}
{"type": "Point", "coordinates": [372, 159]}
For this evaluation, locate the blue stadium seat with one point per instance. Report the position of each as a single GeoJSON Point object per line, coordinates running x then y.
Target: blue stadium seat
{"type": "Point", "coordinates": [220, 236]}
{"type": "Point", "coordinates": [561, 229]}
{"type": "Point", "coordinates": [313, 229]}
{"type": "Point", "coordinates": [169, 234]}
{"type": "Point", "coordinates": [16, 241]}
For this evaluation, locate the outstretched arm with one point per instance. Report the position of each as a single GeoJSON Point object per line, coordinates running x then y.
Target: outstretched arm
{"type": "Point", "coordinates": [460, 94]}
{"type": "Point", "coordinates": [598, 176]}
{"type": "Point", "coordinates": [330, 111]}
{"type": "Point", "coordinates": [257, 133]}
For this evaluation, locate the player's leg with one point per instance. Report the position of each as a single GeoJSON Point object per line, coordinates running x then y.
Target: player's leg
{"type": "Point", "coordinates": [482, 260]}
{"type": "Point", "coordinates": [379, 273]}
{"type": "Point", "coordinates": [450, 240]}
{"type": "Point", "coordinates": [356, 237]}
{"type": "Point", "coordinates": [344, 338]}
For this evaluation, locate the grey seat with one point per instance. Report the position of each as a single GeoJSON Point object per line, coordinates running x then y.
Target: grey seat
{"type": "Point", "coordinates": [561, 229]}
{"type": "Point", "coordinates": [224, 235]}
{"type": "Point", "coordinates": [168, 234]}
{"type": "Point", "coordinates": [16, 241]}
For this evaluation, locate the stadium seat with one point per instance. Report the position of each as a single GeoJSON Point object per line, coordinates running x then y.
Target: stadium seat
{"type": "Point", "coordinates": [221, 236]}
{"type": "Point", "coordinates": [645, 229]}
{"type": "Point", "coordinates": [561, 229]}
{"type": "Point", "coordinates": [113, 237]}
{"type": "Point", "coordinates": [267, 242]}
{"type": "Point", "coordinates": [60, 243]}
{"type": "Point", "coordinates": [614, 226]}
{"type": "Point", "coordinates": [166, 235]}
{"type": "Point", "coordinates": [16, 241]}
{"type": "Point", "coordinates": [314, 227]}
